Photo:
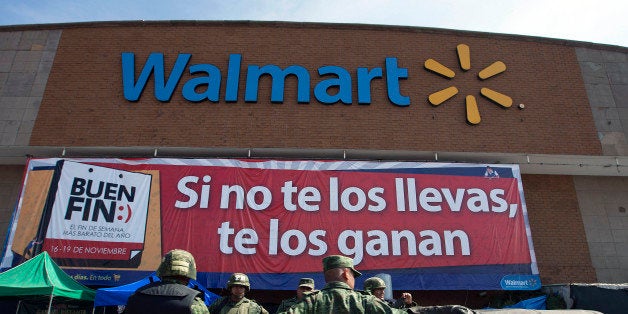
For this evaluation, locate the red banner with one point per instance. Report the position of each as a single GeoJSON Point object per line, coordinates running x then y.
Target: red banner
{"type": "Point", "coordinates": [259, 220]}
{"type": "Point", "coordinates": [282, 217]}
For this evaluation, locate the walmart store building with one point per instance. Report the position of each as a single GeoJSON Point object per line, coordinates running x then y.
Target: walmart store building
{"type": "Point", "coordinates": [556, 108]}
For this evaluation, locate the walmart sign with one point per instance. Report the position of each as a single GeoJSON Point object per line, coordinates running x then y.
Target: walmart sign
{"type": "Point", "coordinates": [206, 80]}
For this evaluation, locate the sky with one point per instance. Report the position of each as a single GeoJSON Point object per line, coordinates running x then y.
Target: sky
{"type": "Point", "coordinates": [599, 21]}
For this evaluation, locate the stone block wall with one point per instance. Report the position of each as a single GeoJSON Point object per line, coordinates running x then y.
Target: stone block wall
{"type": "Point", "coordinates": [25, 61]}
{"type": "Point", "coordinates": [603, 203]}
{"type": "Point", "coordinates": [605, 75]}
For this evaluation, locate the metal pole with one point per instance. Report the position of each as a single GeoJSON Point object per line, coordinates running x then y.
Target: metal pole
{"type": "Point", "coordinates": [50, 303]}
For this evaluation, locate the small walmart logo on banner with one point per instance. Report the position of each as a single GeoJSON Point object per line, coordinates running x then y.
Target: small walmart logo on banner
{"type": "Point", "coordinates": [473, 113]}
{"type": "Point", "coordinates": [521, 282]}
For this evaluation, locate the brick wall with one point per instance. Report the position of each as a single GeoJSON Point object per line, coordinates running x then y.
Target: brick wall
{"type": "Point", "coordinates": [84, 104]}
{"type": "Point", "coordinates": [557, 230]}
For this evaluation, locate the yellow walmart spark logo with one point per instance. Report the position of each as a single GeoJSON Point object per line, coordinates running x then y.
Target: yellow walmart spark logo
{"type": "Point", "coordinates": [464, 57]}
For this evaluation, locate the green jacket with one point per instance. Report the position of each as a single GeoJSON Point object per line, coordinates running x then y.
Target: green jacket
{"type": "Point", "coordinates": [338, 298]}
{"type": "Point", "coordinates": [286, 304]}
{"type": "Point", "coordinates": [245, 306]}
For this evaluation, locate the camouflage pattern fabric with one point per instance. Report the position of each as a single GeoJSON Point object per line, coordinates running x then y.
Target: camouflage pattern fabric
{"type": "Point", "coordinates": [244, 306]}
{"type": "Point", "coordinates": [198, 306]}
{"type": "Point", "coordinates": [286, 304]}
{"type": "Point", "coordinates": [239, 279]}
{"type": "Point", "coordinates": [306, 282]}
{"type": "Point", "coordinates": [374, 283]}
{"type": "Point", "coordinates": [338, 298]}
{"type": "Point", "coordinates": [177, 263]}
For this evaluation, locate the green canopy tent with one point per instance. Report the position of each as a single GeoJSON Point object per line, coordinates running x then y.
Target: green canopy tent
{"type": "Point", "coordinates": [41, 276]}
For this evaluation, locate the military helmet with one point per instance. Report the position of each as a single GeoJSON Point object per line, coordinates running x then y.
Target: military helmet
{"type": "Point", "coordinates": [339, 261]}
{"type": "Point", "coordinates": [306, 282]}
{"type": "Point", "coordinates": [374, 283]}
{"type": "Point", "coordinates": [177, 263]}
{"type": "Point", "coordinates": [239, 279]}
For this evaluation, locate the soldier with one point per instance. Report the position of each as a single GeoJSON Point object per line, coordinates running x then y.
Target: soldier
{"type": "Point", "coordinates": [236, 303]}
{"type": "Point", "coordinates": [171, 294]}
{"type": "Point", "coordinates": [305, 285]}
{"type": "Point", "coordinates": [338, 295]}
{"type": "Point", "coordinates": [376, 287]}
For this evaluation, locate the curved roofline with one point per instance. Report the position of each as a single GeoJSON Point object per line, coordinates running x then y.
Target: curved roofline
{"type": "Point", "coordinates": [322, 25]}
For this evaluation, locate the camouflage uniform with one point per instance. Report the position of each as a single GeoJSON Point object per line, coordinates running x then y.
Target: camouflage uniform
{"type": "Point", "coordinates": [169, 295]}
{"type": "Point", "coordinates": [378, 283]}
{"type": "Point", "coordinates": [303, 282]}
{"type": "Point", "coordinates": [338, 297]}
{"type": "Point", "coordinates": [245, 306]}
{"type": "Point", "coordinates": [225, 305]}
{"type": "Point", "coordinates": [199, 307]}
{"type": "Point", "coordinates": [286, 304]}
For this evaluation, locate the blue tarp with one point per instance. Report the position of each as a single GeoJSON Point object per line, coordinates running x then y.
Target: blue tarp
{"type": "Point", "coordinates": [537, 303]}
{"type": "Point", "coordinates": [119, 295]}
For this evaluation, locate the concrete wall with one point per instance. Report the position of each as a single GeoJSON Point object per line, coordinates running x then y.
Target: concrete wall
{"type": "Point", "coordinates": [605, 75]}
{"type": "Point", "coordinates": [603, 201]}
{"type": "Point", "coordinates": [25, 62]}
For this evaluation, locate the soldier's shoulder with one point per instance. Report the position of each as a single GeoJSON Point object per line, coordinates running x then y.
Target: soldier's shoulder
{"type": "Point", "coordinates": [356, 293]}
{"type": "Point", "coordinates": [289, 302]}
{"type": "Point", "coordinates": [218, 303]}
{"type": "Point", "coordinates": [198, 306]}
{"type": "Point", "coordinates": [252, 301]}
{"type": "Point", "coordinates": [219, 300]}
{"type": "Point", "coordinates": [311, 294]}
{"type": "Point", "coordinates": [255, 304]}
{"type": "Point", "coordinates": [310, 297]}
